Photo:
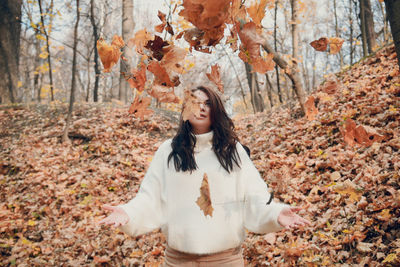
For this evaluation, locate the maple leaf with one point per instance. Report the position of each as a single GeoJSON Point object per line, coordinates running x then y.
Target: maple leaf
{"type": "Point", "coordinates": [157, 47]}
{"type": "Point", "coordinates": [160, 28]}
{"type": "Point", "coordinates": [160, 73]}
{"type": "Point", "coordinates": [204, 200]}
{"type": "Point", "coordinates": [109, 54]}
{"type": "Point", "coordinates": [215, 77]}
{"type": "Point", "coordinates": [190, 105]}
{"type": "Point", "coordinates": [321, 44]}
{"type": "Point", "coordinates": [139, 107]}
{"type": "Point", "coordinates": [171, 59]}
{"type": "Point", "coordinates": [257, 11]}
{"type": "Point", "coordinates": [138, 79]}
{"type": "Point", "coordinates": [335, 44]}
{"type": "Point", "coordinates": [118, 41]}
{"type": "Point", "coordinates": [140, 40]}
{"type": "Point", "coordinates": [311, 110]}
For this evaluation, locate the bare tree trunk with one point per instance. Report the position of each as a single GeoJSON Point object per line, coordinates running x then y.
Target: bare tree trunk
{"type": "Point", "coordinates": [351, 32]}
{"type": "Point", "coordinates": [369, 26]}
{"type": "Point", "coordinates": [10, 29]}
{"type": "Point", "coordinates": [46, 34]}
{"type": "Point", "coordinates": [268, 85]}
{"type": "Point", "coordinates": [255, 96]}
{"type": "Point", "coordinates": [385, 23]}
{"type": "Point", "coordinates": [73, 82]}
{"type": "Point", "coordinates": [337, 32]}
{"type": "Point", "coordinates": [275, 47]}
{"type": "Point", "coordinates": [127, 32]}
{"type": "Point", "coordinates": [363, 28]}
{"type": "Point", "coordinates": [293, 75]}
{"type": "Point", "coordinates": [393, 14]}
{"type": "Point", "coordinates": [96, 53]}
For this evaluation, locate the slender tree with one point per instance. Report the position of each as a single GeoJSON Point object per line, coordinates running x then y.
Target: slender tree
{"type": "Point", "coordinates": [73, 82]}
{"type": "Point", "coordinates": [10, 29]}
{"type": "Point", "coordinates": [275, 47]}
{"type": "Point", "coordinates": [96, 54]}
{"type": "Point", "coordinates": [393, 14]}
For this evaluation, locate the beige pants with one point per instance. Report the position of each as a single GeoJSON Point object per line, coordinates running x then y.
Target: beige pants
{"type": "Point", "coordinates": [231, 257]}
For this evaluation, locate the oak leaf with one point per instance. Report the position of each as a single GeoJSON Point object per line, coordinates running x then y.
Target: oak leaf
{"type": "Point", "coordinates": [139, 107]}
{"type": "Point", "coordinates": [215, 77]}
{"type": "Point", "coordinates": [204, 200]}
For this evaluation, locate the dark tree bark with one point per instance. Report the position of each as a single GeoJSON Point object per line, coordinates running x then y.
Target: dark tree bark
{"type": "Point", "coordinates": [393, 14]}
{"type": "Point", "coordinates": [255, 94]}
{"type": "Point", "coordinates": [268, 85]}
{"type": "Point", "coordinates": [73, 82]}
{"type": "Point", "coordinates": [10, 30]}
{"type": "Point", "coordinates": [96, 53]}
{"type": "Point", "coordinates": [275, 47]}
{"type": "Point", "coordinates": [367, 27]}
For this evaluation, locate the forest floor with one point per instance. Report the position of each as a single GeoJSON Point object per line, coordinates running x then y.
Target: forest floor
{"type": "Point", "coordinates": [341, 163]}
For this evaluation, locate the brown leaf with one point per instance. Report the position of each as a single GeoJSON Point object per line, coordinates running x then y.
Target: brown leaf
{"type": "Point", "coordinates": [321, 44]}
{"type": "Point", "coordinates": [311, 110]}
{"type": "Point", "coordinates": [101, 259]}
{"type": "Point", "coordinates": [215, 77]}
{"type": "Point", "coordinates": [118, 41]}
{"type": "Point", "coordinates": [160, 73]}
{"type": "Point", "coordinates": [159, 28]}
{"type": "Point", "coordinates": [204, 200]}
{"type": "Point", "coordinates": [139, 107]}
{"type": "Point", "coordinates": [171, 60]}
{"type": "Point", "coordinates": [138, 79]}
{"type": "Point", "coordinates": [157, 46]}
{"type": "Point", "coordinates": [163, 94]}
{"type": "Point", "coordinates": [140, 40]}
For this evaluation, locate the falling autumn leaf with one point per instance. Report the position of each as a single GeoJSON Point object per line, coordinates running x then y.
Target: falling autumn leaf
{"type": "Point", "coordinates": [204, 200]}
{"type": "Point", "coordinates": [190, 105]}
{"type": "Point", "coordinates": [163, 94]}
{"type": "Point", "coordinates": [159, 28]}
{"type": "Point", "coordinates": [173, 58]}
{"type": "Point", "coordinates": [109, 54]}
{"type": "Point", "coordinates": [215, 77]}
{"type": "Point", "coordinates": [257, 11]}
{"type": "Point", "coordinates": [311, 110]}
{"type": "Point", "coordinates": [118, 41]}
{"type": "Point", "coordinates": [139, 107]}
{"type": "Point", "coordinates": [140, 40]}
{"type": "Point", "coordinates": [138, 79]}
{"type": "Point", "coordinates": [160, 73]}
{"type": "Point", "coordinates": [321, 44]}
{"type": "Point", "coordinates": [335, 44]}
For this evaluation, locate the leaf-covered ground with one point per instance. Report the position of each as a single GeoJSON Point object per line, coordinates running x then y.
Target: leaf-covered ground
{"type": "Point", "coordinates": [51, 194]}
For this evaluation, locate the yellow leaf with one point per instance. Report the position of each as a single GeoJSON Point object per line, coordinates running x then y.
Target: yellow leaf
{"type": "Point", "coordinates": [390, 258]}
{"type": "Point", "coordinates": [19, 84]}
{"type": "Point", "coordinates": [44, 55]}
{"type": "Point", "coordinates": [26, 241]}
{"type": "Point", "coordinates": [31, 223]}
{"type": "Point", "coordinates": [40, 37]}
{"type": "Point", "coordinates": [86, 200]}
{"type": "Point", "coordinates": [348, 188]}
{"type": "Point", "coordinates": [204, 200]}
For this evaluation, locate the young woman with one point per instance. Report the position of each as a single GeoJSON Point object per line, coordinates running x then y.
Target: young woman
{"type": "Point", "coordinates": [169, 193]}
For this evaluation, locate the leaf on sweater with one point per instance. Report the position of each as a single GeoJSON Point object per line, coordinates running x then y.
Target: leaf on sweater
{"type": "Point", "coordinates": [204, 200]}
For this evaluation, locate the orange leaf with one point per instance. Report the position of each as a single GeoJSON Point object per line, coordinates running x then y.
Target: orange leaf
{"type": "Point", "coordinates": [204, 200]}
{"type": "Point", "coordinates": [171, 60]}
{"type": "Point", "coordinates": [163, 94]}
{"type": "Point", "coordinates": [190, 105]}
{"type": "Point", "coordinates": [160, 73]}
{"type": "Point", "coordinates": [335, 44]}
{"type": "Point", "coordinates": [118, 41]}
{"type": "Point", "coordinates": [101, 259]}
{"type": "Point", "coordinates": [140, 40]}
{"type": "Point", "coordinates": [160, 28]}
{"type": "Point", "coordinates": [321, 44]}
{"type": "Point", "coordinates": [138, 79]}
{"type": "Point", "coordinates": [109, 54]}
{"type": "Point", "coordinates": [215, 77]}
{"type": "Point", "coordinates": [139, 107]}
{"type": "Point", "coordinates": [311, 110]}
{"type": "Point", "coordinates": [257, 11]}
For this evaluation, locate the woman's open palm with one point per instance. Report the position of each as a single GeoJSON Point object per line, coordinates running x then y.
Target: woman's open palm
{"type": "Point", "coordinates": [289, 219]}
{"type": "Point", "coordinates": [117, 218]}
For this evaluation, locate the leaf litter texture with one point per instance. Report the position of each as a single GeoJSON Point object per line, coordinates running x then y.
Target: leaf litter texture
{"type": "Point", "coordinates": [52, 193]}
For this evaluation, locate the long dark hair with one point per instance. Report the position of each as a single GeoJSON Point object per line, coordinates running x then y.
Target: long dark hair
{"type": "Point", "coordinates": [223, 143]}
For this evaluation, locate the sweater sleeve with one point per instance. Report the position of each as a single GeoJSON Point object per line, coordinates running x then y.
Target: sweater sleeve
{"type": "Point", "coordinates": [259, 217]}
{"type": "Point", "coordinates": [145, 210]}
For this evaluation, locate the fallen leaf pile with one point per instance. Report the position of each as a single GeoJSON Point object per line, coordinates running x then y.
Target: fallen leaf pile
{"type": "Point", "coordinates": [347, 180]}
{"type": "Point", "coordinates": [51, 193]}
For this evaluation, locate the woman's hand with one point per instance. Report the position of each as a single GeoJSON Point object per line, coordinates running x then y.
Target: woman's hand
{"type": "Point", "coordinates": [117, 218]}
{"type": "Point", "coordinates": [289, 219]}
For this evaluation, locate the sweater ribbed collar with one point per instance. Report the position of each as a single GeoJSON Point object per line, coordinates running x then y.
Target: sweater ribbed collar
{"type": "Point", "coordinates": [203, 141]}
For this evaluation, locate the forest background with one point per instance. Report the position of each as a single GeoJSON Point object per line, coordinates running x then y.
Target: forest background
{"type": "Point", "coordinates": [265, 57]}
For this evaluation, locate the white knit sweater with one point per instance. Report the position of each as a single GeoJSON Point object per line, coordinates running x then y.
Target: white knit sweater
{"type": "Point", "coordinates": [167, 200]}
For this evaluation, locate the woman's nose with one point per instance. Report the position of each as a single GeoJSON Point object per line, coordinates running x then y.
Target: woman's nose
{"type": "Point", "coordinates": [202, 106]}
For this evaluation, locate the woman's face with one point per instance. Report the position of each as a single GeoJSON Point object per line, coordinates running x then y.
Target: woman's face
{"type": "Point", "coordinates": [201, 124]}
